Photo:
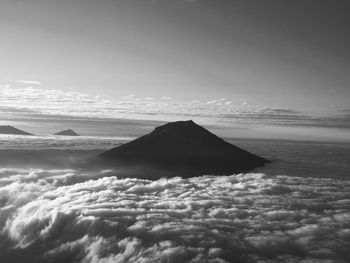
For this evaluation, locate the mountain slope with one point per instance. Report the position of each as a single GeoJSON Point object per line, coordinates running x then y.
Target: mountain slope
{"type": "Point", "coordinates": [184, 146]}
{"type": "Point", "coordinates": [7, 129]}
{"type": "Point", "coordinates": [68, 132]}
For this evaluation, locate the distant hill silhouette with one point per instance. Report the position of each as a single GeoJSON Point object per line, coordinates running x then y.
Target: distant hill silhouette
{"type": "Point", "coordinates": [7, 129]}
{"type": "Point", "coordinates": [185, 148]}
{"type": "Point", "coordinates": [68, 132]}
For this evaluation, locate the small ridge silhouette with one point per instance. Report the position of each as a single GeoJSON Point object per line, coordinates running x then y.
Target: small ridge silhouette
{"type": "Point", "coordinates": [7, 129]}
{"type": "Point", "coordinates": [68, 132]}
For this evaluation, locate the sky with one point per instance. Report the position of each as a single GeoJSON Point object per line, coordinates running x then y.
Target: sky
{"type": "Point", "coordinates": [215, 61]}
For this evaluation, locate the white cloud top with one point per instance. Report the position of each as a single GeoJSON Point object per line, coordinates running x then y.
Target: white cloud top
{"type": "Point", "coordinates": [96, 217]}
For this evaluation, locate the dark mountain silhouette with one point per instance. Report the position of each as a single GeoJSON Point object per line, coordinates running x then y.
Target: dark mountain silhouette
{"type": "Point", "coordinates": [185, 148]}
{"type": "Point", "coordinates": [68, 132]}
{"type": "Point", "coordinates": [7, 129]}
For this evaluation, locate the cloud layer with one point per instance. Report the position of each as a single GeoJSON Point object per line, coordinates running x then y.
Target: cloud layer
{"type": "Point", "coordinates": [71, 216]}
{"type": "Point", "coordinates": [32, 106]}
{"type": "Point", "coordinates": [39, 142]}
{"type": "Point", "coordinates": [35, 101]}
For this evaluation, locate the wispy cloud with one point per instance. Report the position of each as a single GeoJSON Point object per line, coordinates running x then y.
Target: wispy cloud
{"type": "Point", "coordinates": [36, 100]}
{"type": "Point", "coordinates": [33, 82]}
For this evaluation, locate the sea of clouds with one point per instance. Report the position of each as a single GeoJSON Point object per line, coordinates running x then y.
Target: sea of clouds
{"type": "Point", "coordinates": [77, 216]}
{"type": "Point", "coordinates": [43, 142]}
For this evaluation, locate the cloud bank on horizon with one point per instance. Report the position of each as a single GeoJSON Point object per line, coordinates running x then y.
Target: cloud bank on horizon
{"type": "Point", "coordinates": [33, 102]}
{"type": "Point", "coordinates": [72, 216]}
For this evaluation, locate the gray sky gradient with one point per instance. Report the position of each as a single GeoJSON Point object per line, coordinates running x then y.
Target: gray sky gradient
{"type": "Point", "coordinates": [276, 54]}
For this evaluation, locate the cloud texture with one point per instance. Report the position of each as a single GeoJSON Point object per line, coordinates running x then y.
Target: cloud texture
{"type": "Point", "coordinates": [71, 216]}
{"type": "Point", "coordinates": [31, 102]}
{"type": "Point", "coordinates": [38, 142]}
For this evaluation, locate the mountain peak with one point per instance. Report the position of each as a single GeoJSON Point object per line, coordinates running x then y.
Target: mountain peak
{"type": "Point", "coordinates": [7, 129]}
{"type": "Point", "coordinates": [181, 124]}
{"type": "Point", "coordinates": [179, 127]}
{"type": "Point", "coordinates": [184, 146]}
{"type": "Point", "coordinates": [67, 132]}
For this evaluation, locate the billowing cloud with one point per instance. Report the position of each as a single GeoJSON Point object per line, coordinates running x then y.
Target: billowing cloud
{"type": "Point", "coordinates": [72, 216]}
